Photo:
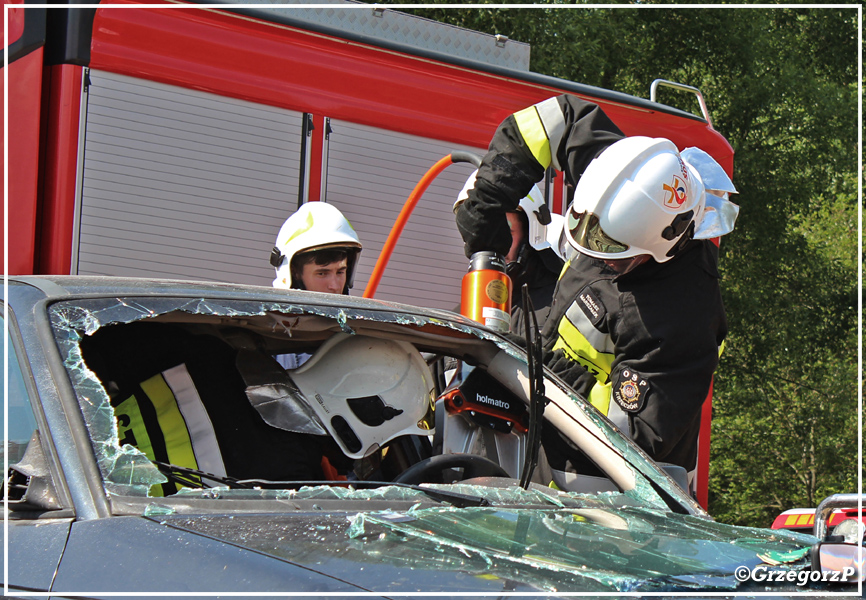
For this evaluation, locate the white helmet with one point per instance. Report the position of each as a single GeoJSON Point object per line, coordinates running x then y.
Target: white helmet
{"type": "Point", "coordinates": [637, 197]}
{"type": "Point", "coordinates": [315, 226]}
{"type": "Point", "coordinates": [544, 227]}
{"type": "Point", "coordinates": [367, 391]}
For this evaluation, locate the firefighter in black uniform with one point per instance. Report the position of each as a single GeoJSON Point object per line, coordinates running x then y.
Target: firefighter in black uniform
{"type": "Point", "coordinates": [637, 320]}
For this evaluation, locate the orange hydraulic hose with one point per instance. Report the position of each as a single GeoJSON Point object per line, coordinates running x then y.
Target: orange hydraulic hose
{"type": "Point", "coordinates": [400, 223]}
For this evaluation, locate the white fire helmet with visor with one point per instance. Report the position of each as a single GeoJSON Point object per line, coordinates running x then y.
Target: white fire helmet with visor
{"type": "Point", "coordinates": [641, 197]}
{"type": "Point", "coordinates": [367, 391]}
{"type": "Point", "coordinates": [315, 226]}
{"type": "Point", "coordinates": [545, 227]}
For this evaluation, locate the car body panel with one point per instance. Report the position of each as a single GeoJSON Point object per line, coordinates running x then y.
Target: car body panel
{"type": "Point", "coordinates": [139, 554]}
{"type": "Point", "coordinates": [35, 550]}
{"type": "Point", "coordinates": [505, 549]}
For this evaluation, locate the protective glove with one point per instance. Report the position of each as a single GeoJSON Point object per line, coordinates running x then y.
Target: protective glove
{"type": "Point", "coordinates": [504, 177]}
{"type": "Point", "coordinates": [516, 339]}
{"type": "Point", "coordinates": [483, 227]}
{"type": "Point", "coordinates": [567, 370]}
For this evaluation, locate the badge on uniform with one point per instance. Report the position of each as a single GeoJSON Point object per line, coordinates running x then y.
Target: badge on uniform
{"type": "Point", "coordinates": [630, 390]}
{"type": "Point", "coordinates": [591, 305]}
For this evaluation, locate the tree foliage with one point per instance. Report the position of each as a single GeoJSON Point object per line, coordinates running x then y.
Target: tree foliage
{"type": "Point", "coordinates": [781, 85]}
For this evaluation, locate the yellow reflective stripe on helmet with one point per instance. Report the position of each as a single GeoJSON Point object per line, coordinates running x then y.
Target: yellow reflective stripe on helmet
{"type": "Point", "coordinates": [531, 129]}
{"type": "Point", "coordinates": [308, 224]}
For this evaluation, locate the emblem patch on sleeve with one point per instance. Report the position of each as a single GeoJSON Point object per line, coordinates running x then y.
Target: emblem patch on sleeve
{"type": "Point", "coordinates": [630, 390]}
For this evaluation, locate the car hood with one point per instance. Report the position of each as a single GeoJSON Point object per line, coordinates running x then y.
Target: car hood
{"type": "Point", "coordinates": [511, 549]}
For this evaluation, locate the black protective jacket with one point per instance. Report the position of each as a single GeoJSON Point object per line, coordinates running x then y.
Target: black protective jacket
{"type": "Point", "coordinates": [642, 347]}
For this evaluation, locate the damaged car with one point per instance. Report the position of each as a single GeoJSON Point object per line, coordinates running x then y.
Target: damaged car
{"type": "Point", "coordinates": [157, 443]}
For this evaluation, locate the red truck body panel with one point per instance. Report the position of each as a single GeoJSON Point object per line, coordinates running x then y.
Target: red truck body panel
{"type": "Point", "coordinates": [24, 106]}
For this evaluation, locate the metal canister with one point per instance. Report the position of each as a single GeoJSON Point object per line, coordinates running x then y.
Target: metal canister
{"type": "Point", "coordinates": [486, 291]}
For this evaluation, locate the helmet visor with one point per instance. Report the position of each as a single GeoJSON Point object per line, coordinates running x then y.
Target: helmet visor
{"type": "Point", "coordinates": [585, 229]}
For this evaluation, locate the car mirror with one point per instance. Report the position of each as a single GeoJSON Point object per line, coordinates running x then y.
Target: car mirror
{"type": "Point", "coordinates": [838, 557]}
{"type": "Point", "coordinates": [29, 483]}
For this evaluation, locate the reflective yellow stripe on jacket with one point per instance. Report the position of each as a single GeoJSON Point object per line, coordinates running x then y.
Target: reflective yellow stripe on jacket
{"type": "Point", "coordinates": [183, 424]}
{"type": "Point", "coordinates": [578, 338]}
{"type": "Point", "coordinates": [595, 356]}
{"type": "Point", "coordinates": [132, 428]}
{"type": "Point", "coordinates": [541, 127]}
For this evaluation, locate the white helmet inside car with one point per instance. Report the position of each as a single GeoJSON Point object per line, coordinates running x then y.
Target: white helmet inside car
{"type": "Point", "coordinates": [544, 226]}
{"type": "Point", "coordinates": [315, 226]}
{"type": "Point", "coordinates": [368, 391]}
{"type": "Point", "coordinates": [639, 197]}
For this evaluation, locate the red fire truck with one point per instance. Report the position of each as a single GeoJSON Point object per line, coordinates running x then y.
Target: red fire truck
{"type": "Point", "coordinates": [172, 140]}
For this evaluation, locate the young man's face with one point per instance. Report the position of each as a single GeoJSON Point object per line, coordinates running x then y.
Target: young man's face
{"type": "Point", "coordinates": [330, 278]}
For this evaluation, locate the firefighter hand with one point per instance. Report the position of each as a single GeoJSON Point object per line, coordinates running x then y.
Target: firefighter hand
{"type": "Point", "coordinates": [567, 370]}
{"type": "Point", "coordinates": [483, 227]}
{"type": "Point", "coordinates": [517, 340]}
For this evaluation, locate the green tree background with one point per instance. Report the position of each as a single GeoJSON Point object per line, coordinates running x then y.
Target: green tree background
{"type": "Point", "coordinates": [781, 85]}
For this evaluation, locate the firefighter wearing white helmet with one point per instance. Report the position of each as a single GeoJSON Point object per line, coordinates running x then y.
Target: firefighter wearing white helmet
{"type": "Point", "coordinates": [637, 320]}
{"type": "Point", "coordinates": [317, 249]}
{"type": "Point", "coordinates": [533, 257]}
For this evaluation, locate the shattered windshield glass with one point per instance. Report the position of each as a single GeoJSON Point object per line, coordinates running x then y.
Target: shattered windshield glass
{"type": "Point", "coordinates": [528, 540]}
{"type": "Point", "coordinates": [606, 545]}
{"type": "Point", "coordinates": [128, 471]}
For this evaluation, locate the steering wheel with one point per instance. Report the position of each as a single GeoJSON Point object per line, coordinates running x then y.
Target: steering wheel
{"type": "Point", "coordinates": [430, 470]}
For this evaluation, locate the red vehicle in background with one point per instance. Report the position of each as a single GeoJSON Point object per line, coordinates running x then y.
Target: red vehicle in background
{"type": "Point", "coordinates": [173, 141]}
{"type": "Point", "coordinates": [840, 526]}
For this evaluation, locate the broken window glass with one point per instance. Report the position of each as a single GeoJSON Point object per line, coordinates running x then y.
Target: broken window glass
{"type": "Point", "coordinates": [128, 471]}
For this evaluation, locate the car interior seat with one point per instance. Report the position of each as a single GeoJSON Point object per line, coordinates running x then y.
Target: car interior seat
{"type": "Point", "coordinates": [179, 398]}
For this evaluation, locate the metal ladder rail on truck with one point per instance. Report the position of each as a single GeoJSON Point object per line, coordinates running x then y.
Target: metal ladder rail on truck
{"type": "Point", "coordinates": [173, 142]}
